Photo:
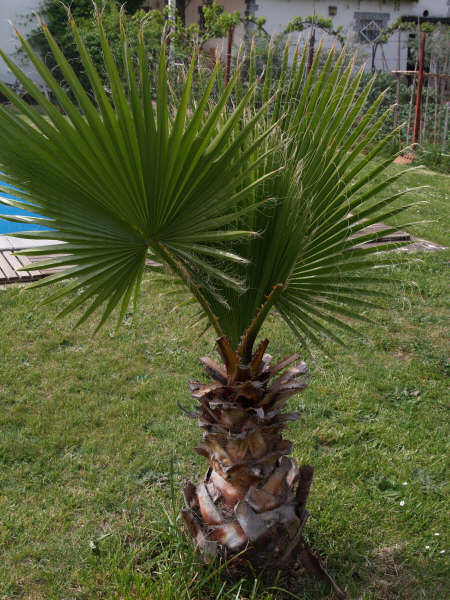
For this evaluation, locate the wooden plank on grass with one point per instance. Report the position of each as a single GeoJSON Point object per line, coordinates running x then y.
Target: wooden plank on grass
{"type": "Point", "coordinates": [8, 271]}
{"type": "Point", "coordinates": [16, 265]}
{"type": "Point", "coordinates": [50, 270]}
{"type": "Point", "coordinates": [394, 236]}
{"type": "Point", "coordinates": [27, 262]}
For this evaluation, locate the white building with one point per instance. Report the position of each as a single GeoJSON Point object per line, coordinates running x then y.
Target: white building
{"type": "Point", "coordinates": [16, 11]}
{"type": "Point", "coordinates": [354, 16]}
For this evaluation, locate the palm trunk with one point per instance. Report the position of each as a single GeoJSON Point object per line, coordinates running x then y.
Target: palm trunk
{"type": "Point", "coordinates": [251, 505]}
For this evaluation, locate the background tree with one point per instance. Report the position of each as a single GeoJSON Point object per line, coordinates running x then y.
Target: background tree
{"type": "Point", "coordinates": [54, 13]}
{"type": "Point", "coordinates": [216, 25]}
{"type": "Point", "coordinates": [131, 6]}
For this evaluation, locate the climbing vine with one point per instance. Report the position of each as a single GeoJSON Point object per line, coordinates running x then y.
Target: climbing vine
{"type": "Point", "coordinates": [318, 22]}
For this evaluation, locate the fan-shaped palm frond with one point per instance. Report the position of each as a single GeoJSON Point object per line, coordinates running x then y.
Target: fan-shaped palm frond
{"type": "Point", "coordinates": [113, 175]}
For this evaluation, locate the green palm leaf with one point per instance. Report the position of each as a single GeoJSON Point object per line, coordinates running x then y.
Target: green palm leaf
{"type": "Point", "coordinates": [114, 176]}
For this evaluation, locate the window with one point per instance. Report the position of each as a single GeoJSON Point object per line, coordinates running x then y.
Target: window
{"type": "Point", "coordinates": [332, 11]}
{"type": "Point", "coordinates": [368, 25]}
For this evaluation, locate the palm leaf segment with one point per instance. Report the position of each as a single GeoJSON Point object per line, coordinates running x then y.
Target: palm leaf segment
{"type": "Point", "coordinates": [113, 175]}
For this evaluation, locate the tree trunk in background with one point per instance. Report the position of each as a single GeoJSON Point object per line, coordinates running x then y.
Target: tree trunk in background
{"type": "Point", "coordinates": [229, 50]}
{"type": "Point", "coordinates": [425, 110]}
{"type": "Point", "coordinates": [397, 92]}
{"type": "Point", "coordinates": [411, 100]}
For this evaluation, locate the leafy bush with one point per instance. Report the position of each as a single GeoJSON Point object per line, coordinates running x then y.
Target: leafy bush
{"type": "Point", "coordinates": [430, 156]}
{"type": "Point", "coordinates": [388, 83]}
{"type": "Point", "coordinates": [55, 16]}
{"type": "Point", "coordinates": [151, 24]}
{"type": "Point", "coordinates": [184, 39]}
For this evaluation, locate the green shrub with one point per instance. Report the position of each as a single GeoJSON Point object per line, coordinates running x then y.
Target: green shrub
{"type": "Point", "coordinates": [430, 156]}
{"type": "Point", "coordinates": [184, 39]}
{"type": "Point", "coordinates": [54, 14]}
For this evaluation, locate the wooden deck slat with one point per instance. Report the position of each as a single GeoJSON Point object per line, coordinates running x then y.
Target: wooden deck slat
{"type": "Point", "coordinates": [10, 265]}
{"type": "Point", "coordinates": [47, 270]}
{"type": "Point", "coordinates": [8, 271]}
{"type": "Point", "coordinates": [16, 265]}
{"type": "Point", "coordinates": [27, 262]}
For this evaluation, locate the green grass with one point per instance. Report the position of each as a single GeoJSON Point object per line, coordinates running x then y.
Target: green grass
{"type": "Point", "coordinates": [94, 449]}
{"type": "Point", "coordinates": [429, 217]}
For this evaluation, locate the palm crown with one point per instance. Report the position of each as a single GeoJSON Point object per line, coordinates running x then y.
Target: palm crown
{"type": "Point", "coordinates": [251, 208]}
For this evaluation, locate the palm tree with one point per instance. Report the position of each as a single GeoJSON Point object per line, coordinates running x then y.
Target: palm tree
{"type": "Point", "coordinates": [252, 201]}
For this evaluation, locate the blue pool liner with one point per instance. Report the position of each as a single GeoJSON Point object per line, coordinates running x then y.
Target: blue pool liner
{"type": "Point", "coordinates": [12, 228]}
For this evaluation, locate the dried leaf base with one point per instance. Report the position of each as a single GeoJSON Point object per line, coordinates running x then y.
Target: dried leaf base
{"type": "Point", "coordinates": [250, 508]}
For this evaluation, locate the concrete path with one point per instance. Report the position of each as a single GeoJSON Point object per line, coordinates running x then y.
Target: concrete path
{"type": "Point", "coordinates": [12, 243]}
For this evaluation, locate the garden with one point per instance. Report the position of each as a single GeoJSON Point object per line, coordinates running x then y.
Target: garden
{"type": "Point", "coordinates": [201, 214]}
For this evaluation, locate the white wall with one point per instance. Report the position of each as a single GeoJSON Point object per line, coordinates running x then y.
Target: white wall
{"type": "Point", "coordinates": [279, 12]}
{"type": "Point", "coordinates": [15, 11]}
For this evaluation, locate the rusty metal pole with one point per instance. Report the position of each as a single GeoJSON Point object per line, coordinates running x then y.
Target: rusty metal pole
{"type": "Point", "coordinates": [312, 41]}
{"type": "Point", "coordinates": [419, 92]}
{"type": "Point", "coordinates": [229, 50]}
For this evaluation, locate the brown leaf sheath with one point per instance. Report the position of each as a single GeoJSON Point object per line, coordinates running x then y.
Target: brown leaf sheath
{"type": "Point", "coordinates": [251, 504]}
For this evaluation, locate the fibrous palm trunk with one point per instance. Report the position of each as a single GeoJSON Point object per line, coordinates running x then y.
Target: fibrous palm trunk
{"type": "Point", "coordinates": [251, 505]}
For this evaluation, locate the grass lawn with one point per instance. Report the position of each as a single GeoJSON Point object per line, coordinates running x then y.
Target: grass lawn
{"type": "Point", "coordinates": [94, 449]}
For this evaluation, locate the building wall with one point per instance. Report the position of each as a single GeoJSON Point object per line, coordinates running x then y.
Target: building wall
{"type": "Point", "coordinates": [280, 12]}
{"type": "Point", "coordinates": [15, 11]}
